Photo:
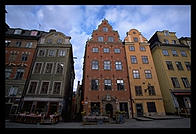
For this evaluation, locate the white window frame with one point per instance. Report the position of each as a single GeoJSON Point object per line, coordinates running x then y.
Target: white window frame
{"type": "Point", "coordinates": [110, 39]}
{"type": "Point", "coordinates": [41, 87]}
{"type": "Point", "coordinates": [46, 66]}
{"type": "Point", "coordinates": [14, 91]}
{"type": "Point", "coordinates": [49, 53]}
{"type": "Point", "coordinates": [17, 31]}
{"type": "Point", "coordinates": [36, 86]}
{"type": "Point", "coordinates": [39, 52]}
{"type": "Point", "coordinates": [29, 44]}
{"type": "Point", "coordinates": [61, 53]}
{"type": "Point", "coordinates": [8, 72]}
{"type": "Point", "coordinates": [116, 50]}
{"type": "Point", "coordinates": [57, 66]}
{"type": "Point", "coordinates": [95, 49]}
{"type": "Point", "coordinates": [60, 88]}
{"type": "Point", "coordinates": [40, 69]}
{"type": "Point", "coordinates": [100, 39]}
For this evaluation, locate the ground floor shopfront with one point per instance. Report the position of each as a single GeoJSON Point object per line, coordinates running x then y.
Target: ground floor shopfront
{"type": "Point", "coordinates": [47, 106]}
{"type": "Point", "coordinates": [148, 107]}
{"type": "Point", "coordinates": [108, 105]}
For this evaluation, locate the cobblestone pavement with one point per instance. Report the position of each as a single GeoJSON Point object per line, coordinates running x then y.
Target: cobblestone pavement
{"type": "Point", "coordinates": [130, 123]}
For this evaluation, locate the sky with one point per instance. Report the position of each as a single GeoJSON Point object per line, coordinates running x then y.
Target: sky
{"type": "Point", "coordinates": [79, 21]}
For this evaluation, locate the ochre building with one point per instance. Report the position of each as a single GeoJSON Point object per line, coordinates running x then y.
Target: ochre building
{"type": "Point", "coordinates": [145, 90]}
{"type": "Point", "coordinates": [173, 65]}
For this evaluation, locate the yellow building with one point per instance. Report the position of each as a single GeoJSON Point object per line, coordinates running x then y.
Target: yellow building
{"type": "Point", "coordinates": [173, 66]}
{"type": "Point", "coordinates": [144, 86]}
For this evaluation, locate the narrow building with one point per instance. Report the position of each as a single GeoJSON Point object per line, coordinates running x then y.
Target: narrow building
{"type": "Point", "coordinates": [20, 46]}
{"type": "Point", "coordinates": [144, 85]}
{"type": "Point", "coordinates": [50, 85]}
{"type": "Point", "coordinates": [173, 65]}
{"type": "Point", "coordinates": [105, 76]}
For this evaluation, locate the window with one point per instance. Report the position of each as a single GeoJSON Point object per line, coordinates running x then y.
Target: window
{"type": "Point", "coordinates": [19, 74]}
{"type": "Point", "coordinates": [145, 59]}
{"type": "Point", "coordinates": [13, 56]}
{"type": "Point", "coordinates": [95, 65]}
{"type": "Point", "coordinates": [106, 50]}
{"type": "Point", "coordinates": [106, 65]}
{"type": "Point", "coordinates": [133, 59]}
{"type": "Point", "coordinates": [37, 68]}
{"type": "Point", "coordinates": [7, 43]}
{"type": "Point", "coordinates": [132, 48]}
{"type": "Point", "coordinates": [24, 57]}
{"type": "Point", "coordinates": [166, 41]}
{"type": "Point", "coordinates": [8, 73]}
{"type": "Point", "coordinates": [29, 44]}
{"type": "Point", "coordinates": [186, 82]}
{"type": "Point", "coordinates": [34, 33]}
{"type": "Point", "coordinates": [110, 39]}
{"type": "Point", "coordinates": [169, 65]}
{"type": "Point", "coordinates": [95, 50]}
{"type": "Point", "coordinates": [116, 50]}
{"type": "Point", "coordinates": [148, 74]}
{"type": "Point", "coordinates": [136, 74]}
{"type": "Point", "coordinates": [188, 65]}
{"type": "Point", "coordinates": [49, 41]}
{"type": "Point", "coordinates": [138, 90]}
{"type": "Point", "coordinates": [165, 52]}
{"type": "Point", "coordinates": [135, 39]}
{"type": "Point", "coordinates": [105, 29]}
{"type": "Point", "coordinates": [174, 53]}
{"type": "Point", "coordinates": [60, 67]}
{"type": "Point", "coordinates": [107, 84]}
{"type": "Point", "coordinates": [44, 88]}
{"type": "Point", "coordinates": [118, 65]}
{"type": "Point", "coordinates": [166, 33]}
{"type": "Point", "coordinates": [32, 87]}
{"type": "Point", "coordinates": [120, 85]}
{"type": "Point", "coordinates": [60, 41]}
{"type": "Point", "coordinates": [151, 107]}
{"type": "Point", "coordinates": [175, 82]}
{"type": "Point", "coordinates": [17, 31]}
{"type": "Point", "coordinates": [13, 91]}
{"type": "Point", "coordinates": [142, 48]}
{"type": "Point", "coordinates": [94, 84]}
{"type": "Point", "coordinates": [179, 65]}
{"type": "Point", "coordinates": [134, 32]}
{"type": "Point", "coordinates": [151, 90]}
{"type": "Point", "coordinates": [183, 54]}
{"type": "Point", "coordinates": [62, 52]}
{"type": "Point", "coordinates": [41, 53]}
{"type": "Point", "coordinates": [48, 68]}
{"type": "Point", "coordinates": [18, 43]}
{"type": "Point", "coordinates": [173, 41]}
{"type": "Point", "coordinates": [51, 53]}
{"type": "Point", "coordinates": [56, 87]}
{"type": "Point", "coordinates": [100, 39]}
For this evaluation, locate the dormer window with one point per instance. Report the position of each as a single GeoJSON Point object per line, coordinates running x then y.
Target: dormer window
{"type": "Point", "coordinates": [34, 33]}
{"type": "Point", "coordinates": [17, 31]}
{"type": "Point", "coordinates": [166, 33]}
{"type": "Point", "coordinates": [135, 39]}
{"type": "Point", "coordinates": [60, 41]}
{"type": "Point", "coordinates": [105, 29]}
{"type": "Point", "coordinates": [166, 41]}
{"type": "Point", "coordinates": [49, 41]}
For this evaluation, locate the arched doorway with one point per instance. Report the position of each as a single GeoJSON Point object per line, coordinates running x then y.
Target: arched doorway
{"type": "Point", "coordinates": [109, 109]}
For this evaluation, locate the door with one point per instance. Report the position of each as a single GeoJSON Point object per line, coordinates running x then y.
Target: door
{"type": "Point", "coordinates": [139, 109]}
{"type": "Point", "coordinates": [109, 109]}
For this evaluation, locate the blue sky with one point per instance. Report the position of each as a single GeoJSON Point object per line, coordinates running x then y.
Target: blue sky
{"type": "Point", "coordinates": [80, 21]}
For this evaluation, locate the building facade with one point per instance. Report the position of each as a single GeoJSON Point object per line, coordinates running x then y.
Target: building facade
{"type": "Point", "coordinates": [173, 65]}
{"type": "Point", "coordinates": [20, 47]}
{"type": "Point", "coordinates": [50, 85]}
{"type": "Point", "coordinates": [144, 85]}
{"type": "Point", "coordinates": [105, 76]}
{"type": "Point", "coordinates": [185, 41]}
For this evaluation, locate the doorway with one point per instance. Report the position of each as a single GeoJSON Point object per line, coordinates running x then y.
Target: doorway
{"type": "Point", "coordinates": [109, 109]}
{"type": "Point", "coordinates": [139, 109]}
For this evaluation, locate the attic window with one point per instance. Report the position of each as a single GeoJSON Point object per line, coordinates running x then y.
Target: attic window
{"type": "Point", "coordinates": [17, 31]}
{"type": "Point", "coordinates": [34, 33]}
{"type": "Point", "coordinates": [105, 29]}
{"type": "Point", "coordinates": [166, 33]}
